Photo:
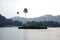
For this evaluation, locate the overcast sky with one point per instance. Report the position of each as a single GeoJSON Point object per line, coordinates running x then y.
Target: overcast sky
{"type": "Point", "coordinates": [36, 8]}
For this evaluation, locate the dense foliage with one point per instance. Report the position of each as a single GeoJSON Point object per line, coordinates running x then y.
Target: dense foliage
{"type": "Point", "coordinates": [8, 22]}
{"type": "Point", "coordinates": [44, 23]}
{"type": "Point", "coordinates": [4, 22]}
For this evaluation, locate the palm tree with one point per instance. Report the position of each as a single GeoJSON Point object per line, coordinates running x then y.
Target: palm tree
{"type": "Point", "coordinates": [18, 16]}
{"type": "Point", "coordinates": [25, 11]}
{"type": "Point", "coordinates": [17, 12]}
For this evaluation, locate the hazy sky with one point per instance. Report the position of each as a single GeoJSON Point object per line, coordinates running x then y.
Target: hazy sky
{"type": "Point", "coordinates": [36, 8]}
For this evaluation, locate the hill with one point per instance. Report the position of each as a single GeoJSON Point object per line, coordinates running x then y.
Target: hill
{"type": "Point", "coordinates": [42, 18]}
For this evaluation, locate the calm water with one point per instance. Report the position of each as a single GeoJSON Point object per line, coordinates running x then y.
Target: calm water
{"type": "Point", "coordinates": [29, 34]}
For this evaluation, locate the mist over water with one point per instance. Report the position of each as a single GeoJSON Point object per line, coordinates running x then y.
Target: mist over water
{"type": "Point", "coordinates": [14, 33]}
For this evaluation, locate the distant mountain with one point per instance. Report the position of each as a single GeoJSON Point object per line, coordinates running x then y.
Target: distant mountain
{"type": "Point", "coordinates": [42, 18]}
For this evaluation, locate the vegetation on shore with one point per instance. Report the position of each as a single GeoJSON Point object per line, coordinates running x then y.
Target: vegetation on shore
{"type": "Point", "coordinates": [30, 24]}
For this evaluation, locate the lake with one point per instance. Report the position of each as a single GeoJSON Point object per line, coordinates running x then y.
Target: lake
{"type": "Point", "coordinates": [13, 33]}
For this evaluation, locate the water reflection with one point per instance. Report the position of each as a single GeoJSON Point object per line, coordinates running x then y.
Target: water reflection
{"type": "Point", "coordinates": [29, 34]}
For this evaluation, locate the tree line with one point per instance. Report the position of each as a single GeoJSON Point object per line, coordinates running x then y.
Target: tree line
{"type": "Point", "coordinates": [9, 22]}
{"type": "Point", "coordinates": [44, 23]}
